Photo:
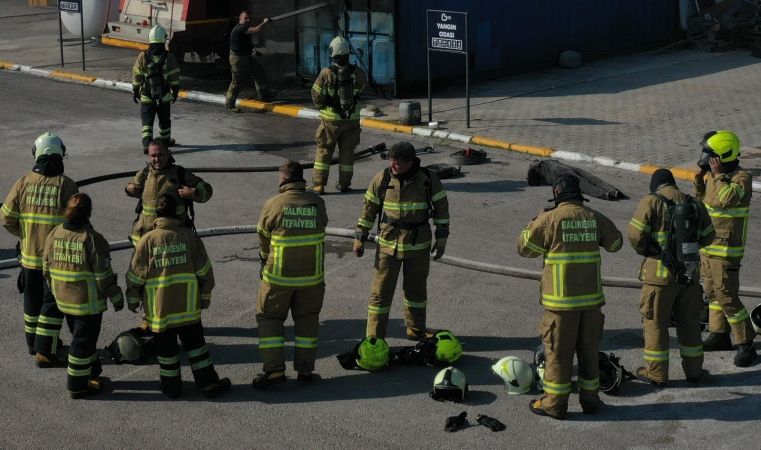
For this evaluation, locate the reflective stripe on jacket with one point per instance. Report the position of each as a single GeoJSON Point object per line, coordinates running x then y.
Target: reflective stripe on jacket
{"type": "Point", "coordinates": [727, 199]}
{"type": "Point", "coordinates": [170, 274]}
{"type": "Point", "coordinates": [405, 230]}
{"type": "Point", "coordinates": [324, 87]}
{"type": "Point", "coordinates": [171, 72]}
{"type": "Point", "coordinates": [292, 237]}
{"type": "Point", "coordinates": [569, 237]}
{"type": "Point", "coordinates": [649, 232]}
{"type": "Point", "coordinates": [31, 210]}
{"type": "Point", "coordinates": [77, 266]}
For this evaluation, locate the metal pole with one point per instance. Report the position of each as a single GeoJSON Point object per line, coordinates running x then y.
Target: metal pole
{"type": "Point", "coordinates": [467, 75]}
{"type": "Point", "coordinates": [428, 65]}
{"type": "Point", "coordinates": [60, 34]}
{"type": "Point", "coordinates": [82, 32]}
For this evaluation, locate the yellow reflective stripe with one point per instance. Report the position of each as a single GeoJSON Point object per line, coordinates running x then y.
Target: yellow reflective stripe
{"type": "Point", "coordinates": [660, 269]}
{"type": "Point", "coordinates": [325, 167]}
{"type": "Point", "coordinates": [656, 355]}
{"type": "Point", "coordinates": [108, 273]}
{"type": "Point", "coordinates": [204, 270]}
{"type": "Point", "coordinates": [82, 361]}
{"type": "Point", "coordinates": [526, 234]}
{"type": "Point", "coordinates": [364, 223]}
{"type": "Point", "coordinates": [9, 212]}
{"type": "Point", "coordinates": [197, 352]}
{"type": "Point", "coordinates": [405, 206]}
{"type": "Point", "coordinates": [49, 320]}
{"type": "Point", "coordinates": [169, 372]}
{"type": "Point", "coordinates": [161, 323]}
{"type": "Point", "coordinates": [378, 309]}
{"type": "Point", "coordinates": [589, 385]}
{"type": "Point", "coordinates": [319, 89]}
{"type": "Point", "coordinates": [297, 241]}
{"type": "Point", "coordinates": [708, 230]}
{"type": "Point", "coordinates": [404, 247]}
{"type": "Point", "coordinates": [556, 388]}
{"type": "Point", "coordinates": [572, 258]}
{"type": "Point", "coordinates": [691, 352]}
{"type": "Point", "coordinates": [132, 277]}
{"type": "Point", "coordinates": [29, 318]}
{"type": "Point", "coordinates": [728, 212]}
{"type": "Point", "coordinates": [292, 281]}
{"type": "Point", "coordinates": [639, 225]}
{"type": "Point", "coordinates": [616, 245]}
{"type": "Point", "coordinates": [169, 280]}
{"type": "Point", "coordinates": [68, 275]}
{"type": "Point", "coordinates": [305, 342]}
{"type": "Point", "coordinates": [438, 196]}
{"type": "Point", "coordinates": [727, 190]}
{"type": "Point", "coordinates": [206, 362]}
{"type": "Point", "coordinates": [271, 342]}
{"type": "Point", "coordinates": [31, 261]}
{"type": "Point", "coordinates": [79, 372]}
{"type": "Point", "coordinates": [740, 316]}
{"type": "Point", "coordinates": [168, 360]}
{"type": "Point", "coordinates": [660, 236]}
{"type": "Point", "coordinates": [418, 305]}
{"type": "Point", "coordinates": [441, 221]}
{"type": "Point", "coordinates": [346, 168]}
{"type": "Point", "coordinates": [372, 198]}
{"type": "Point", "coordinates": [572, 302]}
{"type": "Point", "coordinates": [723, 251]}
{"type": "Point", "coordinates": [81, 309]}
{"type": "Point", "coordinates": [714, 306]}
{"type": "Point", "coordinates": [46, 332]}
{"type": "Point", "coordinates": [41, 219]}
{"type": "Point", "coordinates": [263, 231]}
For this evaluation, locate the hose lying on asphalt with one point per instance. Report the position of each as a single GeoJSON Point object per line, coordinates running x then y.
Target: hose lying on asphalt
{"type": "Point", "coordinates": [513, 272]}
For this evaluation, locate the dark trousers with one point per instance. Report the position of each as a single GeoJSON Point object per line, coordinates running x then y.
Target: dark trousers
{"type": "Point", "coordinates": [168, 354]}
{"type": "Point", "coordinates": [42, 319]}
{"type": "Point", "coordinates": [84, 364]}
{"type": "Point", "coordinates": [148, 112]}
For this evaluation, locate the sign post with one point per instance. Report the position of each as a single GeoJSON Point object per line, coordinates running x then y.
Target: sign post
{"type": "Point", "coordinates": [74, 6]}
{"type": "Point", "coordinates": [447, 31]}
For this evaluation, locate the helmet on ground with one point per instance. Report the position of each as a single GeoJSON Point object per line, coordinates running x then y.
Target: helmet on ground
{"type": "Point", "coordinates": [516, 373]}
{"type": "Point", "coordinates": [157, 35]}
{"type": "Point", "coordinates": [724, 144]}
{"type": "Point", "coordinates": [611, 373]}
{"type": "Point", "coordinates": [539, 363]}
{"type": "Point", "coordinates": [755, 318]}
{"type": "Point", "coordinates": [339, 46]}
{"type": "Point", "coordinates": [129, 347]}
{"type": "Point", "coordinates": [448, 347]}
{"type": "Point", "coordinates": [372, 353]}
{"type": "Point", "coordinates": [49, 144]}
{"type": "Point", "coordinates": [450, 384]}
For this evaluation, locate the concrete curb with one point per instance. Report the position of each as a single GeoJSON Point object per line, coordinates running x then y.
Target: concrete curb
{"type": "Point", "coordinates": [299, 112]}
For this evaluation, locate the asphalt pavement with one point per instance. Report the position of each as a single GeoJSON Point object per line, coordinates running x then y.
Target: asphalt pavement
{"type": "Point", "coordinates": [494, 316]}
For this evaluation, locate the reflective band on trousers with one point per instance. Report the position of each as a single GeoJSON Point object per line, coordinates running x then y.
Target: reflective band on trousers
{"type": "Point", "coordinates": [589, 385]}
{"type": "Point", "coordinates": [740, 316]}
{"type": "Point", "coordinates": [691, 352]}
{"type": "Point", "coordinates": [656, 355]}
{"type": "Point", "coordinates": [305, 342]}
{"type": "Point", "coordinates": [378, 309]}
{"type": "Point", "coordinates": [418, 305]}
{"type": "Point", "coordinates": [271, 342]}
{"type": "Point", "coordinates": [556, 388]}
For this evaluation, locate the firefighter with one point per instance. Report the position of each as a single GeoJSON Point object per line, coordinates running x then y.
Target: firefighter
{"type": "Point", "coordinates": [291, 241]}
{"type": "Point", "coordinates": [77, 267]}
{"type": "Point", "coordinates": [171, 275]}
{"type": "Point", "coordinates": [670, 287]}
{"type": "Point", "coordinates": [242, 63]}
{"type": "Point", "coordinates": [403, 197]}
{"type": "Point", "coordinates": [336, 94]}
{"type": "Point", "coordinates": [725, 189]}
{"type": "Point", "coordinates": [568, 237]}
{"type": "Point", "coordinates": [161, 175]}
{"type": "Point", "coordinates": [33, 207]}
{"type": "Point", "coordinates": [155, 86]}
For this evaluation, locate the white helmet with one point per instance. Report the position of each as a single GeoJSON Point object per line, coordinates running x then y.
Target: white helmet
{"type": "Point", "coordinates": [157, 35]}
{"type": "Point", "coordinates": [49, 144]}
{"type": "Point", "coordinates": [339, 46]}
{"type": "Point", "coordinates": [755, 318]}
{"type": "Point", "coordinates": [516, 373]}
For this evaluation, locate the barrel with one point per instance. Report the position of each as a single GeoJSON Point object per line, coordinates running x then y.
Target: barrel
{"type": "Point", "coordinates": [409, 113]}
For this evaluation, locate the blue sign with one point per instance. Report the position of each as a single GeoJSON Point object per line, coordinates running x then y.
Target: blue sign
{"type": "Point", "coordinates": [447, 31]}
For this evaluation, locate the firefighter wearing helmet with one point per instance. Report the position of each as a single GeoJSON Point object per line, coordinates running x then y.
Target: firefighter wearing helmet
{"type": "Point", "coordinates": [725, 189]}
{"type": "Point", "coordinates": [34, 206]}
{"type": "Point", "coordinates": [569, 237]}
{"type": "Point", "coordinates": [668, 228]}
{"type": "Point", "coordinates": [155, 86]}
{"type": "Point", "coordinates": [336, 94]}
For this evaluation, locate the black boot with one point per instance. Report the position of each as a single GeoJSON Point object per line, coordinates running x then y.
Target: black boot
{"type": "Point", "coordinates": [746, 354]}
{"type": "Point", "coordinates": [716, 342]}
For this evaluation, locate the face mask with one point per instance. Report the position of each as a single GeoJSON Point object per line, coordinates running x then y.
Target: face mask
{"type": "Point", "coordinates": [703, 162]}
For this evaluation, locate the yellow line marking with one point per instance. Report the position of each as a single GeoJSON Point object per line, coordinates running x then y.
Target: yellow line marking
{"type": "Point", "coordinates": [72, 76]}
{"type": "Point", "coordinates": [123, 43]}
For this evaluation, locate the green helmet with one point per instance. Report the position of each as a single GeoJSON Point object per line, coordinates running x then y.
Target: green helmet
{"type": "Point", "coordinates": [157, 35]}
{"type": "Point", "coordinates": [49, 144]}
{"type": "Point", "coordinates": [450, 384]}
{"type": "Point", "coordinates": [372, 353]}
{"type": "Point", "coordinates": [129, 347]}
{"type": "Point", "coordinates": [448, 347]}
{"type": "Point", "coordinates": [516, 373]}
{"type": "Point", "coordinates": [724, 144]}
{"type": "Point", "coordinates": [339, 46]}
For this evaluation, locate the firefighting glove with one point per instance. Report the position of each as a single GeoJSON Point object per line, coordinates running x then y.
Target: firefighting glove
{"type": "Point", "coordinates": [438, 248]}
{"type": "Point", "coordinates": [457, 422]}
{"type": "Point", "coordinates": [136, 95]}
{"type": "Point", "coordinates": [490, 422]}
{"type": "Point", "coordinates": [205, 302]}
{"type": "Point", "coordinates": [175, 93]}
{"type": "Point", "coordinates": [133, 306]}
{"type": "Point", "coordinates": [358, 248]}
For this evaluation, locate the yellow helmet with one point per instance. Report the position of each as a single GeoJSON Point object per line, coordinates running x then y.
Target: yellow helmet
{"type": "Point", "coordinates": [372, 353]}
{"type": "Point", "coordinates": [157, 35]}
{"type": "Point", "coordinates": [723, 144]}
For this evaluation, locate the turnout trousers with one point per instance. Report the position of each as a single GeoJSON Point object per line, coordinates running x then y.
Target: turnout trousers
{"type": "Point", "coordinates": [564, 333]}
{"type": "Point", "coordinates": [272, 305]}
{"type": "Point", "coordinates": [194, 345]}
{"type": "Point", "coordinates": [148, 113]}
{"type": "Point", "coordinates": [721, 283]}
{"type": "Point", "coordinates": [414, 278]}
{"type": "Point", "coordinates": [344, 134]}
{"type": "Point", "coordinates": [242, 69]}
{"type": "Point", "coordinates": [84, 364]}
{"type": "Point", "coordinates": [42, 319]}
{"type": "Point", "coordinates": [658, 304]}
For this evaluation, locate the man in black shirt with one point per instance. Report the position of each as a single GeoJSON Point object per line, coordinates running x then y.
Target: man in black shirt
{"type": "Point", "coordinates": [242, 64]}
